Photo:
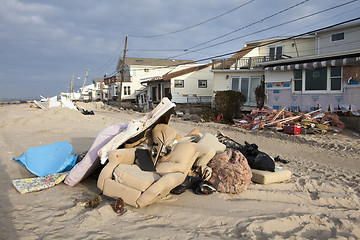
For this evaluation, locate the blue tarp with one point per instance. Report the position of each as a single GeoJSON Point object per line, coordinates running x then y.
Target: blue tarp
{"type": "Point", "coordinates": [49, 159]}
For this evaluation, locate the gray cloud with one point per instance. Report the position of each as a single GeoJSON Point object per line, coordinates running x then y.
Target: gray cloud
{"type": "Point", "coordinates": [43, 43]}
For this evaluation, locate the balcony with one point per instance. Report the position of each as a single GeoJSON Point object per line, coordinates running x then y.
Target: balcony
{"type": "Point", "coordinates": [240, 63]}
{"type": "Point", "coordinates": [115, 79]}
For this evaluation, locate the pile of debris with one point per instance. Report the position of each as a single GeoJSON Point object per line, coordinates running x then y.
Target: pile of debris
{"type": "Point", "coordinates": [317, 121]}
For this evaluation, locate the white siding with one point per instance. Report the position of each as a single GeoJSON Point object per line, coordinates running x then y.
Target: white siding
{"type": "Point", "coordinates": [278, 76]}
{"type": "Point", "coordinates": [191, 89]}
{"type": "Point", "coordinates": [137, 73]}
{"type": "Point", "coordinates": [298, 48]}
{"type": "Point", "coordinates": [350, 43]}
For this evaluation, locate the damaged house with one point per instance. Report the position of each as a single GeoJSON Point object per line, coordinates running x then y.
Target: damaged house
{"type": "Point", "coordinates": [241, 71]}
{"type": "Point", "coordinates": [328, 78]}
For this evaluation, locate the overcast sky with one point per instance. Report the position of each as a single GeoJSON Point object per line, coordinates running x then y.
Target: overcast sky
{"type": "Point", "coordinates": [43, 43]}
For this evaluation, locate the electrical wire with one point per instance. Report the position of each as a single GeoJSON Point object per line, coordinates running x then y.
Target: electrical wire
{"type": "Point", "coordinates": [109, 62]}
{"type": "Point", "coordinates": [260, 45]}
{"type": "Point", "coordinates": [269, 28]}
{"type": "Point", "coordinates": [249, 25]}
{"type": "Point", "coordinates": [195, 25]}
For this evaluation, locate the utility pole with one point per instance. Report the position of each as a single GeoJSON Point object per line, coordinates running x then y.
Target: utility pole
{"type": "Point", "coordinates": [87, 70]}
{"type": "Point", "coordinates": [72, 88]}
{"type": "Point", "coordinates": [122, 71]}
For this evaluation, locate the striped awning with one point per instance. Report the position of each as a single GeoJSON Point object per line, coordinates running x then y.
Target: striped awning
{"type": "Point", "coordinates": [317, 64]}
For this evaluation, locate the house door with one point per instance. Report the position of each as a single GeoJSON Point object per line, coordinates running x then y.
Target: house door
{"type": "Point", "coordinates": [154, 94]}
{"type": "Point", "coordinates": [246, 85]}
{"type": "Point", "coordinates": [167, 93]}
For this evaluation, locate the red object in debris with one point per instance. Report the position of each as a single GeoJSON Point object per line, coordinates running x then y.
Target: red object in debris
{"type": "Point", "coordinates": [292, 128]}
{"type": "Point", "coordinates": [219, 117]}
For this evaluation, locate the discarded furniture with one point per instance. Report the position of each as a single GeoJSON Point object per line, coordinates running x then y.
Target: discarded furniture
{"type": "Point", "coordinates": [123, 178]}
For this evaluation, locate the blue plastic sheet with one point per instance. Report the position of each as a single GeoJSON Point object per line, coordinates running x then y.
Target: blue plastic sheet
{"type": "Point", "coordinates": [49, 159]}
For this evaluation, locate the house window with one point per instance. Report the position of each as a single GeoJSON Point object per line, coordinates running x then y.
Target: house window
{"type": "Point", "coordinates": [337, 37]}
{"type": "Point", "coordinates": [127, 90]}
{"type": "Point", "coordinates": [327, 79]}
{"type": "Point", "coordinates": [202, 83]}
{"type": "Point", "coordinates": [179, 83]}
{"type": "Point", "coordinates": [275, 52]}
{"type": "Point", "coordinates": [335, 78]}
{"type": "Point", "coordinates": [298, 80]}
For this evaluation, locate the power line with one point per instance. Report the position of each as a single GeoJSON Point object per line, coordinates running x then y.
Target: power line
{"type": "Point", "coordinates": [269, 28]}
{"type": "Point", "coordinates": [195, 25]}
{"type": "Point", "coordinates": [324, 20]}
{"type": "Point", "coordinates": [154, 50]}
{"type": "Point", "coordinates": [276, 41]}
{"type": "Point", "coordinates": [109, 62]}
{"type": "Point", "coordinates": [261, 45]}
{"type": "Point", "coordinates": [249, 25]}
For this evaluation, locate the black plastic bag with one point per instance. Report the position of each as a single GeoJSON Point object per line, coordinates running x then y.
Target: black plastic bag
{"type": "Point", "coordinates": [197, 184]}
{"type": "Point", "coordinates": [257, 159]}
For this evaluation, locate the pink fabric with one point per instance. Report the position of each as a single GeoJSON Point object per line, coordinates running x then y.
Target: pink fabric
{"type": "Point", "coordinates": [230, 172]}
{"type": "Point", "coordinates": [91, 160]}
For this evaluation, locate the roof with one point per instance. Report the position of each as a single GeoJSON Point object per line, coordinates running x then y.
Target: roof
{"type": "Point", "coordinates": [155, 61]}
{"type": "Point", "coordinates": [275, 39]}
{"type": "Point", "coordinates": [181, 72]}
{"type": "Point", "coordinates": [178, 71]}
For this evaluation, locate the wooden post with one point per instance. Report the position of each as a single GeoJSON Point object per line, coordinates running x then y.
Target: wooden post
{"type": "Point", "coordinates": [122, 71]}
{"type": "Point", "coordinates": [72, 89]}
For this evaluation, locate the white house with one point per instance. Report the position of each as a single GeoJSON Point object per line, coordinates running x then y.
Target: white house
{"type": "Point", "coordinates": [136, 69]}
{"type": "Point", "coordinates": [241, 73]}
{"type": "Point", "coordinates": [191, 83]}
{"type": "Point", "coordinates": [328, 78]}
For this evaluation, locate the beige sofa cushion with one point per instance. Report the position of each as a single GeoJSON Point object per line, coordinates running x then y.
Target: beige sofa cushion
{"type": "Point", "coordinates": [179, 160]}
{"type": "Point", "coordinates": [132, 176]}
{"type": "Point", "coordinates": [266, 177]}
{"type": "Point", "coordinates": [115, 190]}
{"type": "Point", "coordinates": [207, 148]}
{"type": "Point", "coordinates": [160, 188]}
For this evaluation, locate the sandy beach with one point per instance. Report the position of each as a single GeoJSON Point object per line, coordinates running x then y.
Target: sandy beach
{"type": "Point", "coordinates": [321, 201]}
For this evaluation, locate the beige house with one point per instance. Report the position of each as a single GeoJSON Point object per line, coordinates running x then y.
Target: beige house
{"type": "Point", "coordinates": [136, 69]}
{"type": "Point", "coordinates": [241, 73]}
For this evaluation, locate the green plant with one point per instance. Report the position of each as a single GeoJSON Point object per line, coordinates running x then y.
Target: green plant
{"type": "Point", "coordinates": [208, 113]}
{"type": "Point", "coordinates": [229, 103]}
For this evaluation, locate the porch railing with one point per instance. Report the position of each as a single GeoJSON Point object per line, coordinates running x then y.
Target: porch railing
{"type": "Point", "coordinates": [238, 63]}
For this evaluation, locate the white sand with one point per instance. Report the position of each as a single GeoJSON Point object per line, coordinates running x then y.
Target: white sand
{"type": "Point", "coordinates": [321, 201]}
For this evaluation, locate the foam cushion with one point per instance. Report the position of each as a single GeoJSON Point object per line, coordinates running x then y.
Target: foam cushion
{"type": "Point", "coordinates": [266, 177]}
{"type": "Point", "coordinates": [132, 176]}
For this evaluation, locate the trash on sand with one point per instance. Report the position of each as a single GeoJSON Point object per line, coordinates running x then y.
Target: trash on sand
{"type": "Point", "coordinates": [318, 121]}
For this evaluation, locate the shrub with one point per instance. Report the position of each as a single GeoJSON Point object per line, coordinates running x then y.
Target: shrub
{"type": "Point", "coordinates": [229, 103]}
{"type": "Point", "coordinates": [208, 113]}
{"type": "Point", "coordinates": [260, 94]}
